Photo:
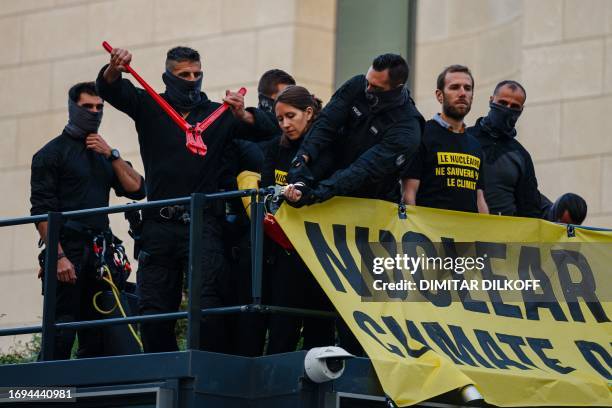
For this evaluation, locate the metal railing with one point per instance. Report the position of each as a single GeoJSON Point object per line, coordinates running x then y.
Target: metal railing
{"type": "Point", "coordinates": [194, 311]}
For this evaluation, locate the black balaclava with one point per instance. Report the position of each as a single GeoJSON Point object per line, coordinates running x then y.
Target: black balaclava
{"type": "Point", "coordinates": [182, 94]}
{"type": "Point", "coordinates": [81, 122]}
{"type": "Point", "coordinates": [500, 121]}
{"type": "Point", "coordinates": [380, 101]}
{"type": "Point", "coordinates": [265, 103]}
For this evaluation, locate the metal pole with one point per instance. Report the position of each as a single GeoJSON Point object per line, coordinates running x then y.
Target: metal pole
{"type": "Point", "coordinates": [20, 330]}
{"type": "Point", "coordinates": [85, 324]}
{"type": "Point", "coordinates": [253, 209]}
{"type": "Point", "coordinates": [257, 216]}
{"type": "Point", "coordinates": [50, 285]}
{"type": "Point", "coordinates": [6, 222]}
{"type": "Point", "coordinates": [299, 312]}
{"type": "Point", "coordinates": [195, 271]}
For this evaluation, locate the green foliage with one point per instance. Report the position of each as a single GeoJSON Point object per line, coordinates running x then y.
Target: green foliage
{"type": "Point", "coordinates": [181, 325]}
{"type": "Point", "coordinates": [22, 352]}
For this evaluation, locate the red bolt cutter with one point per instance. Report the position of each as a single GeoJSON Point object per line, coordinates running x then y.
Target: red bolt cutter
{"type": "Point", "coordinates": [193, 133]}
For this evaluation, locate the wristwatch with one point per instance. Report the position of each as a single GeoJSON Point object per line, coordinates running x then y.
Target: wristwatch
{"type": "Point", "coordinates": [114, 155]}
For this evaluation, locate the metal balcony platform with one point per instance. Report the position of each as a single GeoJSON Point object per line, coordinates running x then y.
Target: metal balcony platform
{"type": "Point", "coordinates": [190, 379]}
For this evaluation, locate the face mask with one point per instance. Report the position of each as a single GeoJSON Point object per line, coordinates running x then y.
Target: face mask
{"type": "Point", "coordinates": [501, 120]}
{"type": "Point", "coordinates": [182, 94]}
{"type": "Point", "coordinates": [382, 100]}
{"type": "Point", "coordinates": [81, 122]}
{"type": "Point", "coordinates": [265, 103]}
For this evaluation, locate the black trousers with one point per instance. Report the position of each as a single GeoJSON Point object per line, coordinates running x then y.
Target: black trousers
{"type": "Point", "coordinates": [292, 285]}
{"type": "Point", "coordinates": [74, 302]}
{"type": "Point", "coordinates": [163, 262]}
{"type": "Point", "coordinates": [248, 329]}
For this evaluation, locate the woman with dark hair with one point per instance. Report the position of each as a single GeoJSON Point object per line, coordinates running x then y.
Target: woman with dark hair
{"type": "Point", "coordinates": [290, 282]}
{"type": "Point", "coordinates": [295, 110]}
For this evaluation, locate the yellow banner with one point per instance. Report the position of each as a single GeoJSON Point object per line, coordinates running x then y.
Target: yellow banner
{"type": "Point", "coordinates": [517, 353]}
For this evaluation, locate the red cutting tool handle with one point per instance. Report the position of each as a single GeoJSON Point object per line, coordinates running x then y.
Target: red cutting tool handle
{"type": "Point", "coordinates": [193, 134]}
{"type": "Point", "coordinates": [195, 144]}
{"type": "Point", "coordinates": [203, 125]}
{"type": "Point", "coordinates": [178, 119]}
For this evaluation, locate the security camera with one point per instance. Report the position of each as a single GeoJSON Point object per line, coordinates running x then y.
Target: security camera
{"type": "Point", "coordinates": [471, 396]}
{"type": "Point", "coordinates": [325, 363]}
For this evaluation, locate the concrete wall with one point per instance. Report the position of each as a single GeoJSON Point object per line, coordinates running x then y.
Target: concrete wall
{"type": "Point", "coordinates": [561, 51]}
{"type": "Point", "coordinates": [48, 45]}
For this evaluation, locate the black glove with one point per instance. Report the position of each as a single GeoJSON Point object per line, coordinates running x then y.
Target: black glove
{"type": "Point", "coordinates": [322, 193]}
{"type": "Point", "coordinates": [310, 195]}
{"type": "Point", "coordinates": [299, 172]}
{"type": "Point", "coordinates": [307, 197]}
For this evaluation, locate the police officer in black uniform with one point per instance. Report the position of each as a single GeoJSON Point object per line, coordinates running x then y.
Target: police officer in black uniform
{"type": "Point", "coordinates": [511, 186]}
{"type": "Point", "coordinates": [374, 129]}
{"type": "Point", "coordinates": [76, 171]}
{"type": "Point", "coordinates": [373, 126]}
{"type": "Point", "coordinates": [271, 83]}
{"type": "Point", "coordinates": [173, 172]}
{"type": "Point", "coordinates": [249, 330]}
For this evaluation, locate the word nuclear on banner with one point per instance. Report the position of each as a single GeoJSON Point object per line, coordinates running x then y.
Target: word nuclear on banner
{"type": "Point", "coordinates": [545, 336]}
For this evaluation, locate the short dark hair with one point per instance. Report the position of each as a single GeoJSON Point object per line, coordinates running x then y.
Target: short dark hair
{"type": "Point", "coordinates": [397, 66]}
{"type": "Point", "coordinates": [573, 204]}
{"type": "Point", "coordinates": [510, 84]}
{"type": "Point", "coordinates": [180, 54]}
{"type": "Point", "coordinates": [441, 81]}
{"type": "Point", "coordinates": [270, 80]}
{"type": "Point", "coordinates": [89, 88]}
{"type": "Point", "coordinates": [299, 98]}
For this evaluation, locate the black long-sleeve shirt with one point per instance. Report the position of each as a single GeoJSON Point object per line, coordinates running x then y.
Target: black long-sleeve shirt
{"type": "Point", "coordinates": [511, 187]}
{"type": "Point", "coordinates": [172, 171]}
{"type": "Point", "coordinates": [241, 155]}
{"type": "Point", "coordinates": [370, 149]}
{"type": "Point", "coordinates": [66, 176]}
{"type": "Point", "coordinates": [266, 126]}
{"type": "Point", "coordinates": [277, 162]}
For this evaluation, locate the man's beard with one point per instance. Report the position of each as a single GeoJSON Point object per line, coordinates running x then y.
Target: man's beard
{"type": "Point", "coordinates": [453, 112]}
